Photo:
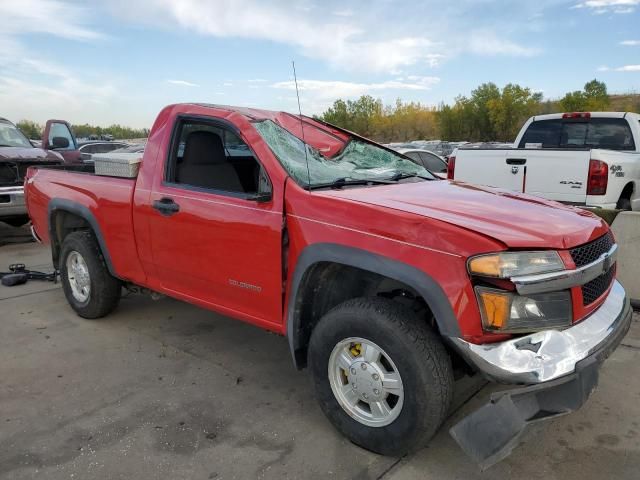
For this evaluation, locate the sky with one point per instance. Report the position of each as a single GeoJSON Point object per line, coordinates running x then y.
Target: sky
{"type": "Point", "coordinates": [121, 61]}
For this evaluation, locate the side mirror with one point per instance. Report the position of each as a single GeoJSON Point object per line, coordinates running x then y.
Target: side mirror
{"type": "Point", "coordinates": [59, 142]}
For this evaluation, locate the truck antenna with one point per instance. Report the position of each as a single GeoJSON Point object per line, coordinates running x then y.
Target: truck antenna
{"type": "Point", "coordinates": [306, 157]}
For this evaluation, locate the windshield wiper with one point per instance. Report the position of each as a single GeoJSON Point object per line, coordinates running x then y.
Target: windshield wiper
{"type": "Point", "coordinates": [401, 176]}
{"type": "Point", "coordinates": [345, 181]}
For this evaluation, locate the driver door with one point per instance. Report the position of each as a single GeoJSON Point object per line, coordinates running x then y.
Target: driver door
{"type": "Point", "coordinates": [59, 137]}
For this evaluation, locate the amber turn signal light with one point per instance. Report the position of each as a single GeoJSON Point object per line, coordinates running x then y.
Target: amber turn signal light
{"type": "Point", "coordinates": [495, 307]}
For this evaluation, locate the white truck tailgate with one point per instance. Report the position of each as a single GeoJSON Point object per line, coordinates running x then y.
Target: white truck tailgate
{"type": "Point", "coordinates": [559, 174]}
{"type": "Point", "coordinates": [487, 167]}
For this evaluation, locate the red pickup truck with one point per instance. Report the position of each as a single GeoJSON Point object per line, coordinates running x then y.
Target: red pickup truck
{"type": "Point", "coordinates": [388, 283]}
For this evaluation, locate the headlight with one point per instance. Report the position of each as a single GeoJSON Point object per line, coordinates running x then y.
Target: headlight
{"type": "Point", "coordinates": [507, 312]}
{"type": "Point", "coordinates": [512, 264]}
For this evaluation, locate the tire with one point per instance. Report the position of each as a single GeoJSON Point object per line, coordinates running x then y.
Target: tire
{"type": "Point", "coordinates": [17, 221]}
{"type": "Point", "coordinates": [407, 345]}
{"type": "Point", "coordinates": [82, 265]}
{"type": "Point", "coordinates": [624, 204]}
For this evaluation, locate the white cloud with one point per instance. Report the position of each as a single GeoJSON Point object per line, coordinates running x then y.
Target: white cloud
{"type": "Point", "coordinates": [486, 42]}
{"type": "Point", "coordinates": [183, 83]}
{"type": "Point", "coordinates": [340, 89]}
{"type": "Point", "coordinates": [53, 17]}
{"type": "Point", "coordinates": [624, 68]}
{"type": "Point", "coordinates": [35, 88]}
{"type": "Point", "coordinates": [317, 95]}
{"type": "Point", "coordinates": [362, 42]}
{"type": "Point", "coordinates": [256, 80]}
{"type": "Point", "coordinates": [630, 43]}
{"type": "Point", "coordinates": [628, 68]}
{"type": "Point", "coordinates": [343, 13]}
{"type": "Point", "coordinates": [609, 6]}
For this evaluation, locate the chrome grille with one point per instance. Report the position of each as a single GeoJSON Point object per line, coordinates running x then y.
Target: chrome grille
{"type": "Point", "coordinates": [591, 251]}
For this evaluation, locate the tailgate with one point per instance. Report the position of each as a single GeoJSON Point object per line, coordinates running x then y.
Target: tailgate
{"type": "Point", "coordinates": [558, 174]}
{"type": "Point", "coordinates": [553, 174]}
{"type": "Point", "coordinates": [486, 167]}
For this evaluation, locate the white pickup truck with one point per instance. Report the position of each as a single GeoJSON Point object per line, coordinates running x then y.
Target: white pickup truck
{"type": "Point", "coordinates": [579, 158]}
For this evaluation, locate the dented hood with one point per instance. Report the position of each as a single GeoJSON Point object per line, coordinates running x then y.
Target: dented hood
{"type": "Point", "coordinates": [517, 220]}
{"type": "Point", "coordinates": [19, 154]}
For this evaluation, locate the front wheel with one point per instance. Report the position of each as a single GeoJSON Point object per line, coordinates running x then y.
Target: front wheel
{"type": "Point", "coordinates": [89, 287]}
{"type": "Point", "coordinates": [382, 376]}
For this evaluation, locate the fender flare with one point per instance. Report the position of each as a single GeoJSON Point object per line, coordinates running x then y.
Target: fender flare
{"type": "Point", "coordinates": [61, 204]}
{"type": "Point", "coordinates": [426, 286]}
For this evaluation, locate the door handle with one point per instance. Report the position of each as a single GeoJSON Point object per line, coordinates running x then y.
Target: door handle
{"type": "Point", "coordinates": [166, 206]}
{"type": "Point", "coordinates": [516, 161]}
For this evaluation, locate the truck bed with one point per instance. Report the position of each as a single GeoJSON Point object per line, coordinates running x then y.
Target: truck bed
{"type": "Point", "coordinates": [51, 187]}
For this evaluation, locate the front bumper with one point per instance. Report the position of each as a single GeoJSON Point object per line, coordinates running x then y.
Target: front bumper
{"type": "Point", "coordinates": [12, 201]}
{"type": "Point", "coordinates": [550, 354]}
{"type": "Point", "coordinates": [561, 368]}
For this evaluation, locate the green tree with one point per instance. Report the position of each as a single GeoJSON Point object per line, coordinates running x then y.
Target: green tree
{"type": "Point", "coordinates": [338, 114]}
{"type": "Point", "coordinates": [31, 129]}
{"type": "Point", "coordinates": [118, 131]}
{"type": "Point", "coordinates": [574, 102]}
{"type": "Point", "coordinates": [510, 111]}
{"type": "Point", "coordinates": [597, 98]}
{"type": "Point", "coordinates": [480, 98]}
{"type": "Point", "coordinates": [369, 117]}
{"type": "Point", "coordinates": [593, 97]}
{"type": "Point", "coordinates": [489, 113]}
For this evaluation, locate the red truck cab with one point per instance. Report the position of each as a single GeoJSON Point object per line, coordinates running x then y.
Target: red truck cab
{"type": "Point", "coordinates": [384, 278]}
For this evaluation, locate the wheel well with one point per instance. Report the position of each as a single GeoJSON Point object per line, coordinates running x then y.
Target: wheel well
{"type": "Point", "coordinates": [327, 284]}
{"type": "Point", "coordinates": [62, 224]}
{"type": "Point", "coordinates": [627, 191]}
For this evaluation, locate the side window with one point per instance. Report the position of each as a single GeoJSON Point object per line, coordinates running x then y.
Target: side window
{"type": "Point", "coordinates": [88, 148]}
{"type": "Point", "coordinates": [415, 156]}
{"type": "Point", "coordinates": [211, 156]}
{"type": "Point", "coordinates": [105, 147]}
{"type": "Point", "coordinates": [60, 137]}
{"type": "Point", "coordinates": [433, 162]}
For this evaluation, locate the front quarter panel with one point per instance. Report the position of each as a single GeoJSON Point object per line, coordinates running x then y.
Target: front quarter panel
{"type": "Point", "coordinates": [427, 254]}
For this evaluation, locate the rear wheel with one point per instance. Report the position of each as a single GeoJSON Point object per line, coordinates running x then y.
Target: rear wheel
{"type": "Point", "coordinates": [89, 287]}
{"type": "Point", "coordinates": [382, 376]}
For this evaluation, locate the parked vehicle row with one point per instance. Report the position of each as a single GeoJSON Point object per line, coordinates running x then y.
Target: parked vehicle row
{"type": "Point", "coordinates": [16, 155]}
{"type": "Point", "coordinates": [57, 146]}
{"type": "Point", "coordinates": [579, 158]}
{"type": "Point", "coordinates": [387, 282]}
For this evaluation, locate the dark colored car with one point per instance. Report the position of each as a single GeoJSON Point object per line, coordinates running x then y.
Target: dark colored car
{"type": "Point", "coordinates": [16, 155]}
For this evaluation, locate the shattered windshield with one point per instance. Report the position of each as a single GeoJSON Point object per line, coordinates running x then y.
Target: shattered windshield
{"type": "Point", "coordinates": [10, 136]}
{"type": "Point", "coordinates": [358, 160]}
